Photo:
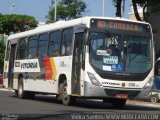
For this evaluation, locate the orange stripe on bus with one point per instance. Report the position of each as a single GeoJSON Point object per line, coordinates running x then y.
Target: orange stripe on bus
{"type": "Point", "coordinates": [50, 69]}
{"type": "Point", "coordinates": [53, 68]}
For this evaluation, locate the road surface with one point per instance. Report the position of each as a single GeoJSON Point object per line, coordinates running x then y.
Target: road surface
{"type": "Point", "coordinates": [48, 108]}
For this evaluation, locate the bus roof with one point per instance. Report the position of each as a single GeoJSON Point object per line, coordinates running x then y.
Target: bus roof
{"type": "Point", "coordinates": [63, 24]}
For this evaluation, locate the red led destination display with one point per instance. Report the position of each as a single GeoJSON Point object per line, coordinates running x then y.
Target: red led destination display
{"type": "Point", "coordinates": [119, 25]}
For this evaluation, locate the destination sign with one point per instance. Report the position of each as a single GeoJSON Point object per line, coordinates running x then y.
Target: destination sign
{"type": "Point", "coordinates": [124, 26]}
{"type": "Point", "coordinates": [119, 25]}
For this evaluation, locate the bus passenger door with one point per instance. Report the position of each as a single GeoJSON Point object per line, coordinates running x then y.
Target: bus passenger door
{"type": "Point", "coordinates": [11, 66]}
{"type": "Point", "coordinates": [77, 63]}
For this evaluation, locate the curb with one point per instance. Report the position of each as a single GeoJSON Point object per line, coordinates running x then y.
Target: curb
{"type": "Point", "coordinates": [5, 89]}
{"type": "Point", "coordinates": [142, 103]}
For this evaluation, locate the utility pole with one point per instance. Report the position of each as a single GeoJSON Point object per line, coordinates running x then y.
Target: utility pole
{"type": "Point", "coordinates": [103, 9]}
{"type": "Point", "coordinates": [55, 11]}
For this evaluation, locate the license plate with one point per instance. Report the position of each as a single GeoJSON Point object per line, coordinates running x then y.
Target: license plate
{"type": "Point", "coordinates": [122, 96]}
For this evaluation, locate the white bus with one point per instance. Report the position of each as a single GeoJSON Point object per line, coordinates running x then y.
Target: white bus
{"type": "Point", "coordinates": [91, 57]}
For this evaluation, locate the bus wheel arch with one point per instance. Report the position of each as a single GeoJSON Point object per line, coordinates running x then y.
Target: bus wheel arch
{"type": "Point", "coordinates": [61, 79]}
{"type": "Point", "coordinates": [63, 93]}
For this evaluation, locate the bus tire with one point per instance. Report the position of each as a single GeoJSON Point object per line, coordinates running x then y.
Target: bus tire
{"type": "Point", "coordinates": [66, 99]}
{"type": "Point", "coordinates": [119, 103]}
{"type": "Point", "coordinates": [21, 93]}
{"type": "Point", "coordinates": [16, 92]}
{"type": "Point", "coordinates": [154, 99]}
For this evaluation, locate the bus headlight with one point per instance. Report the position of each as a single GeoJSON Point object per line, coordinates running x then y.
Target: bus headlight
{"type": "Point", "coordinates": [149, 83]}
{"type": "Point", "coordinates": [93, 79]}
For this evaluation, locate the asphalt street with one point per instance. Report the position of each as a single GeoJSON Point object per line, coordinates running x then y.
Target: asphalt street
{"type": "Point", "coordinates": [47, 107]}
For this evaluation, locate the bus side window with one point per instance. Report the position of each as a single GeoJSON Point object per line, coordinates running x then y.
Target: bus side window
{"type": "Point", "coordinates": [54, 44]}
{"type": "Point", "coordinates": [23, 48]}
{"type": "Point", "coordinates": [42, 45]}
{"type": "Point", "coordinates": [66, 47]}
{"type": "Point", "coordinates": [32, 46]}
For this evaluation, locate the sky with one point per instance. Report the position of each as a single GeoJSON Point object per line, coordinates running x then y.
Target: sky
{"type": "Point", "coordinates": [39, 8]}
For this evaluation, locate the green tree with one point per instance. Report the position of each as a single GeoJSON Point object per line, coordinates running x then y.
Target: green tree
{"type": "Point", "coordinates": [2, 50]}
{"type": "Point", "coordinates": [16, 23]}
{"type": "Point", "coordinates": [13, 23]}
{"type": "Point", "coordinates": [154, 6]}
{"type": "Point", "coordinates": [145, 4]}
{"type": "Point", "coordinates": [66, 10]}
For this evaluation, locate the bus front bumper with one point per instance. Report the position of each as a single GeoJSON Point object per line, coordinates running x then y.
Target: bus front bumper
{"type": "Point", "coordinates": [91, 90]}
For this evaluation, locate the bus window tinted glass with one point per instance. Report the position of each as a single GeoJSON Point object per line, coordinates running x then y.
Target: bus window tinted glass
{"type": "Point", "coordinates": [32, 47]}
{"type": "Point", "coordinates": [67, 41]}
{"type": "Point", "coordinates": [42, 45]}
{"type": "Point", "coordinates": [23, 48]}
{"type": "Point", "coordinates": [54, 43]}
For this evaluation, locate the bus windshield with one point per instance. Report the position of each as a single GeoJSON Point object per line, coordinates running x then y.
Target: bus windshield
{"type": "Point", "coordinates": [120, 52]}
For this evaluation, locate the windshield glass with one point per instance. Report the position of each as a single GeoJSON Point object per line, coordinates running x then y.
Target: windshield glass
{"type": "Point", "coordinates": [119, 52]}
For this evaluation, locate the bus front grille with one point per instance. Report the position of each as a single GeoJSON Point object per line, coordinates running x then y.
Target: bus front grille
{"type": "Point", "coordinates": [113, 93]}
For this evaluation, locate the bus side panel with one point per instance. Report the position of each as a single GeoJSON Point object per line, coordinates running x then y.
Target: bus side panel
{"type": "Point", "coordinates": [64, 66]}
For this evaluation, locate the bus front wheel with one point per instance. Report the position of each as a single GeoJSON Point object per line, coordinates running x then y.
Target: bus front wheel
{"type": "Point", "coordinates": [63, 94]}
